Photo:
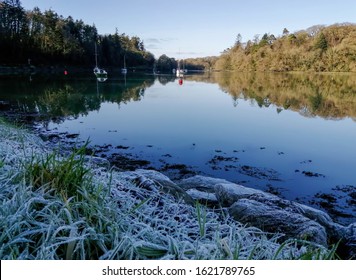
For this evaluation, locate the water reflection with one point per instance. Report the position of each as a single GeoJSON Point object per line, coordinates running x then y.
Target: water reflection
{"type": "Point", "coordinates": [239, 126]}
{"type": "Point", "coordinates": [102, 79]}
{"type": "Point", "coordinates": [165, 79]}
{"type": "Point", "coordinates": [330, 96]}
{"type": "Point", "coordinates": [58, 99]}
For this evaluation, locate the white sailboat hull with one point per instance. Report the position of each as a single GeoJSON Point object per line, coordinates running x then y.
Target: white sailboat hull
{"type": "Point", "coordinates": [99, 72]}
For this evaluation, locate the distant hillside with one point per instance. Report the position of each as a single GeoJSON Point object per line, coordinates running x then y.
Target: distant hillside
{"type": "Point", "coordinates": [202, 63]}
{"type": "Point", "coordinates": [318, 48]}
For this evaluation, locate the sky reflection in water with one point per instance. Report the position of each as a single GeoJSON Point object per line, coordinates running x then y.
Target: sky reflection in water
{"type": "Point", "coordinates": [197, 121]}
{"type": "Point", "coordinates": [292, 134]}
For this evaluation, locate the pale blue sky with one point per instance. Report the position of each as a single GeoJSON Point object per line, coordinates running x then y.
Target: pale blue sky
{"type": "Point", "coordinates": [195, 28]}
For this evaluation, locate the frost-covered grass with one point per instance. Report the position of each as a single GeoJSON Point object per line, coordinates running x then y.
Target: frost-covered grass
{"type": "Point", "coordinates": [101, 215]}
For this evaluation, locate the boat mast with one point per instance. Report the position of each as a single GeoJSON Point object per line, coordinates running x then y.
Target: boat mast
{"type": "Point", "coordinates": [96, 56]}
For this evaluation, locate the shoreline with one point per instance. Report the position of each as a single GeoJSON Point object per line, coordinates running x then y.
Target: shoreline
{"type": "Point", "coordinates": [123, 159]}
{"type": "Point", "coordinates": [337, 199]}
{"type": "Point", "coordinates": [58, 69]}
{"type": "Point", "coordinates": [197, 191]}
{"type": "Point", "coordinates": [25, 69]}
{"type": "Point", "coordinates": [176, 170]}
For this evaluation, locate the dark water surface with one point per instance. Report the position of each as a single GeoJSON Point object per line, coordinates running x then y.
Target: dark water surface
{"type": "Point", "coordinates": [290, 134]}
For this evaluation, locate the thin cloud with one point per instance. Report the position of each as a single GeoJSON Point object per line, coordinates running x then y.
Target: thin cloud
{"type": "Point", "coordinates": [155, 44]}
{"type": "Point", "coordinates": [185, 54]}
{"type": "Point", "coordinates": [159, 40]}
{"type": "Point", "coordinates": [152, 40]}
{"type": "Point", "coordinates": [152, 46]}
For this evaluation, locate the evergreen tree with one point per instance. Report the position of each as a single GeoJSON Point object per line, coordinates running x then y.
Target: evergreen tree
{"type": "Point", "coordinates": [321, 42]}
{"type": "Point", "coordinates": [47, 38]}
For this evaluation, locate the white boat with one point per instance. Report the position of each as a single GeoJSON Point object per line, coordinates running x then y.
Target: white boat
{"type": "Point", "coordinates": [180, 71]}
{"type": "Point", "coordinates": [99, 72]}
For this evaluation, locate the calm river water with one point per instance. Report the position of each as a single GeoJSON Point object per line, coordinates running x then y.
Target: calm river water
{"type": "Point", "coordinates": [290, 134]}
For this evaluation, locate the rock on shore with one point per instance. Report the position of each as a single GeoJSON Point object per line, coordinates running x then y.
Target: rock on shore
{"type": "Point", "coordinates": [255, 208]}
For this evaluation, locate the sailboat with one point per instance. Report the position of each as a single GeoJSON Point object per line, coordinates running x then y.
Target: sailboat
{"type": "Point", "coordinates": [124, 70]}
{"type": "Point", "coordinates": [100, 73]}
{"type": "Point", "coordinates": [180, 71]}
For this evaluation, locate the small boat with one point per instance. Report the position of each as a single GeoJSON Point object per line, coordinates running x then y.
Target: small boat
{"type": "Point", "coordinates": [99, 72]}
{"type": "Point", "coordinates": [180, 71]}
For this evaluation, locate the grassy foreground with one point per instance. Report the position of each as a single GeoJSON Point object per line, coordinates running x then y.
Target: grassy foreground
{"type": "Point", "coordinates": [54, 207]}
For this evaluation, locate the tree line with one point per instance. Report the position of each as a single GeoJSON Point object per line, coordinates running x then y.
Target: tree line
{"type": "Point", "coordinates": [46, 38]}
{"type": "Point", "coordinates": [43, 38]}
{"type": "Point", "coordinates": [166, 64]}
{"type": "Point", "coordinates": [318, 48]}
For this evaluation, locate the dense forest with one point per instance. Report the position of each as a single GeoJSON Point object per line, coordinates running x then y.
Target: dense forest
{"type": "Point", "coordinates": [46, 38]}
{"type": "Point", "coordinates": [318, 48]}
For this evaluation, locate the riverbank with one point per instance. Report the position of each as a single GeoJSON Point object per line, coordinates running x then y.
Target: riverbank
{"type": "Point", "coordinates": [57, 69]}
{"type": "Point", "coordinates": [140, 214]}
